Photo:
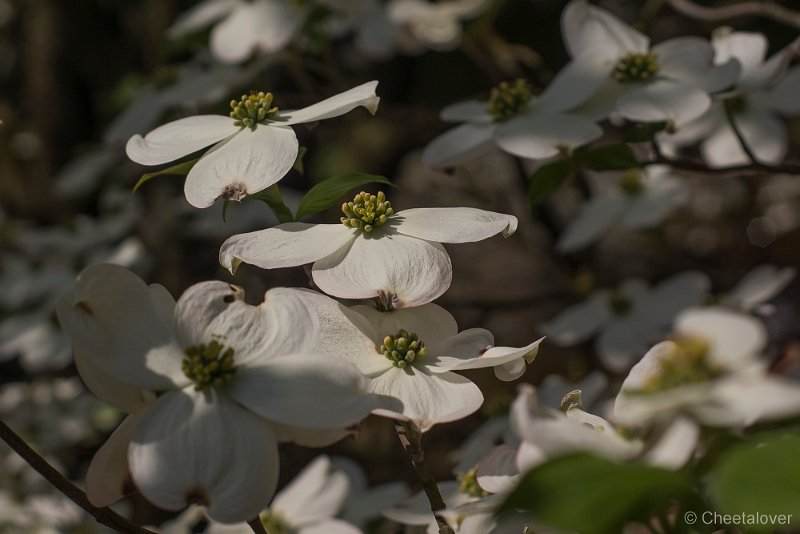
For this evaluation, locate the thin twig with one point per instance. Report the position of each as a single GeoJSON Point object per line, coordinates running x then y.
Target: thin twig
{"type": "Point", "coordinates": [257, 526]}
{"type": "Point", "coordinates": [104, 516]}
{"type": "Point", "coordinates": [769, 10]}
{"type": "Point", "coordinates": [698, 166]}
{"type": "Point", "coordinates": [411, 438]}
{"type": "Point", "coordinates": [727, 107]}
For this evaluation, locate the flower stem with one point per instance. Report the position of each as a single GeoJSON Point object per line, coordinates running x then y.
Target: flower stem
{"type": "Point", "coordinates": [104, 516]}
{"type": "Point", "coordinates": [411, 438]}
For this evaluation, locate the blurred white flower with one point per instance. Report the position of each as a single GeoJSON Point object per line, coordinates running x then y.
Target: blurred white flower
{"type": "Point", "coordinates": [242, 27]}
{"type": "Point", "coordinates": [36, 340]}
{"type": "Point", "coordinates": [553, 388]}
{"type": "Point", "coordinates": [642, 199]}
{"type": "Point", "coordinates": [766, 91]}
{"type": "Point", "coordinates": [416, 510]}
{"type": "Point", "coordinates": [187, 88]}
{"type": "Point", "coordinates": [629, 319]}
{"type": "Point", "coordinates": [547, 433]}
{"type": "Point", "coordinates": [758, 286]}
{"type": "Point", "coordinates": [432, 25]}
{"type": "Point", "coordinates": [516, 121]}
{"type": "Point", "coordinates": [712, 370]}
{"type": "Point", "coordinates": [309, 504]}
{"type": "Point", "coordinates": [252, 149]}
{"type": "Point", "coordinates": [411, 354]}
{"type": "Point", "coordinates": [364, 503]}
{"type": "Point", "coordinates": [468, 455]}
{"type": "Point", "coordinates": [374, 252]}
{"type": "Point", "coordinates": [227, 369]}
{"type": "Point", "coordinates": [615, 65]}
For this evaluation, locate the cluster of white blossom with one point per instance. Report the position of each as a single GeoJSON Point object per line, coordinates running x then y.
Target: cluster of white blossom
{"type": "Point", "coordinates": [211, 385]}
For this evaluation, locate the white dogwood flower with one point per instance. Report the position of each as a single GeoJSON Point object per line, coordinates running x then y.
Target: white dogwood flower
{"type": "Point", "coordinates": [615, 65]}
{"type": "Point", "coordinates": [226, 371]}
{"type": "Point", "coordinates": [642, 199]}
{"type": "Point", "coordinates": [516, 121]}
{"type": "Point", "coordinates": [546, 433]}
{"type": "Point", "coordinates": [629, 319]}
{"type": "Point", "coordinates": [309, 504]}
{"type": "Point", "coordinates": [710, 370]}
{"type": "Point", "coordinates": [374, 252]}
{"type": "Point", "coordinates": [765, 92]}
{"type": "Point", "coordinates": [432, 25]}
{"type": "Point", "coordinates": [416, 510]}
{"type": "Point", "coordinates": [411, 355]}
{"type": "Point", "coordinates": [252, 149]}
{"type": "Point", "coordinates": [242, 27]}
{"type": "Point", "coordinates": [364, 503]}
{"type": "Point", "coordinates": [758, 286]}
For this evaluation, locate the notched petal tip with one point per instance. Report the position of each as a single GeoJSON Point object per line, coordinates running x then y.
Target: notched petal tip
{"type": "Point", "coordinates": [511, 227]}
{"type": "Point", "coordinates": [371, 105]}
{"type": "Point", "coordinates": [234, 191]}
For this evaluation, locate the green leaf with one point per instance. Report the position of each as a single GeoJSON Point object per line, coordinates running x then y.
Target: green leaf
{"type": "Point", "coordinates": [328, 192]}
{"type": "Point", "coordinates": [181, 169]}
{"type": "Point", "coordinates": [591, 495]}
{"type": "Point", "coordinates": [760, 476]}
{"type": "Point", "coordinates": [608, 158]}
{"type": "Point", "coordinates": [644, 132]}
{"type": "Point", "coordinates": [272, 197]}
{"type": "Point", "coordinates": [298, 162]}
{"type": "Point", "coordinates": [547, 179]}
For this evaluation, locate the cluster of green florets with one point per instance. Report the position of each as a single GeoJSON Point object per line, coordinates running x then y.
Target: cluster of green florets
{"type": "Point", "coordinates": [468, 484]}
{"type": "Point", "coordinates": [508, 100]}
{"type": "Point", "coordinates": [274, 523]}
{"type": "Point", "coordinates": [636, 67]}
{"type": "Point", "coordinates": [620, 304]}
{"type": "Point", "coordinates": [366, 211]}
{"type": "Point", "coordinates": [631, 182]}
{"type": "Point", "coordinates": [252, 109]}
{"type": "Point", "coordinates": [209, 365]}
{"type": "Point", "coordinates": [402, 349]}
{"type": "Point", "coordinates": [688, 363]}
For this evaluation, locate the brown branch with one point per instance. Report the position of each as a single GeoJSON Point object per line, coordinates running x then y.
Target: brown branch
{"type": "Point", "coordinates": [683, 164]}
{"type": "Point", "coordinates": [104, 516]}
{"type": "Point", "coordinates": [769, 10]}
{"type": "Point", "coordinates": [257, 526]}
{"type": "Point", "coordinates": [727, 106]}
{"type": "Point", "coordinates": [411, 438]}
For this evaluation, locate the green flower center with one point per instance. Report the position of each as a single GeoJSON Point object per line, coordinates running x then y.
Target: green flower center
{"type": "Point", "coordinates": [366, 211]}
{"type": "Point", "coordinates": [468, 484]}
{"type": "Point", "coordinates": [252, 109]}
{"type": "Point", "coordinates": [403, 348]}
{"type": "Point", "coordinates": [274, 523]}
{"type": "Point", "coordinates": [209, 365]}
{"type": "Point", "coordinates": [620, 304]}
{"type": "Point", "coordinates": [508, 100]}
{"type": "Point", "coordinates": [636, 67]}
{"type": "Point", "coordinates": [688, 363]}
{"type": "Point", "coordinates": [631, 182]}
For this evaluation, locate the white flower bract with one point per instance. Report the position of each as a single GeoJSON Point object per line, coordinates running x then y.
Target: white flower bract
{"type": "Point", "coordinates": [228, 371]}
{"type": "Point", "coordinates": [402, 260]}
